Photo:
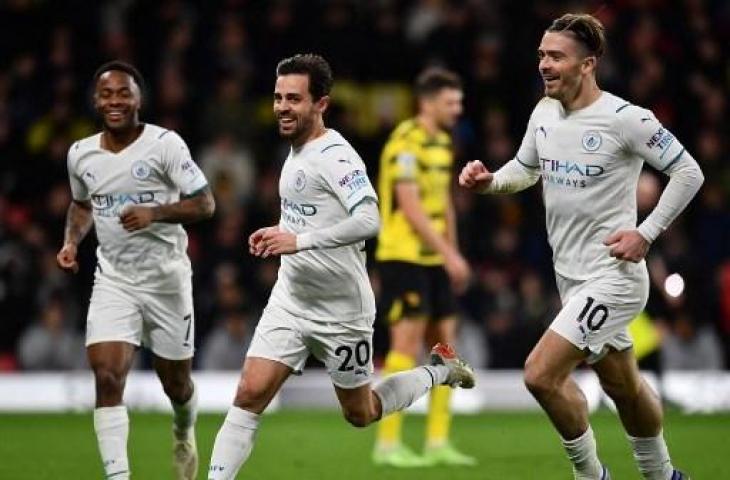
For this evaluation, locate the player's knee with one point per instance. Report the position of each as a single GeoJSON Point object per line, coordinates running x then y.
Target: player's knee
{"type": "Point", "coordinates": [538, 381]}
{"type": "Point", "coordinates": [250, 396]}
{"type": "Point", "coordinates": [622, 391]}
{"type": "Point", "coordinates": [177, 389]}
{"type": "Point", "coordinates": [109, 382]}
{"type": "Point", "coordinates": [358, 418]}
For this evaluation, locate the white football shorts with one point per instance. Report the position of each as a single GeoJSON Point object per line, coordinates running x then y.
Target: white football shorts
{"type": "Point", "coordinates": [597, 311]}
{"type": "Point", "coordinates": [345, 348]}
{"type": "Point", "coordinates": [163, 322]}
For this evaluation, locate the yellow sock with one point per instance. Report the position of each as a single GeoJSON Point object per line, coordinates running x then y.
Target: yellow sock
{"type": "Point", "coordinates": [438, 421]}
{"type": "Point", "coordinates": [389, 428]}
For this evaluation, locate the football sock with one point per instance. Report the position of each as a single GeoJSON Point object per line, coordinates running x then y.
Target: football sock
{"type": "Point", "coordinates": [112, 429]}
{"type": "Point", "coordinates": [233, 444]}
{"type": "Point", "coordinates": [438, 420]}
{"type": "Point", "coordinates": [652, 457]}
{"type": "Point", "coordinates": [389, 428]}
{"type": "Point", "coordinates": [398, 391]}
{"type": "Point", "coordinates": [582, 454]}
{"type": "Point", "coordinates": [185, 414]}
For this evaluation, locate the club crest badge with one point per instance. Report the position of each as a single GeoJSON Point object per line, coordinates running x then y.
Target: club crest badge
{"type": "Point", "coordinates": [300, 181]}
{"type": "Point", "coordinates": [592, 140]}
{"type": "Point", "coordinates": [141, 170]}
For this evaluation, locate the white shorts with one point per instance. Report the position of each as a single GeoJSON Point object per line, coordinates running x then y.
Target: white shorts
{"type": "Point", "coordinates": [596, 312]}
{"type": "Point", "coordinates": [344, 347]}
{"type": "Point", "coordinates": [163, 322]}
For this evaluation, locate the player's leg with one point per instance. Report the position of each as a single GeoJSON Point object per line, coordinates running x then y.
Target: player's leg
{"type": "Point", "coordinates": [169, 332]}
{"type": "Point", "coordinates": [547, 377]}
{"type": "Point", "coordinates": [113, 331]}
{"type": "Point", "coordinates": [180, 389]}
{"type": "Point", "coordinates": [363, 404]}
{"type": "Point", "coordinates": [640, 411]}
{"type": "Point", "coordinates": [260, 380]}
{"type": "Point", "coordinates": [438, 448]}
{"type": "Point", "coordinates": [277, 350]}
{"type": "Point", "coordinates": [404, 288]}
{"type": "Point", "coordinates": [110, 362]}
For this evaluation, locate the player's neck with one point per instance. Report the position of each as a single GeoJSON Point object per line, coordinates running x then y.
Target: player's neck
{"type": "Point", "coordinates": [586, 95]}
{"type": "Point", "coordinates": [317, 131]}
{"type": "Point", "coordinates": [116, 141]}
{"type": "Point", "coordinates": [429, 124]}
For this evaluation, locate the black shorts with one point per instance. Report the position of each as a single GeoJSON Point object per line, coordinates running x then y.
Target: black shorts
{"type": "Point", "coordinates": [415, 291]}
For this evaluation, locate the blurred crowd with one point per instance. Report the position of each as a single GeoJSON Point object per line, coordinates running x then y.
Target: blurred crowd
{"type": "Point", "coordinates": [209, 69]}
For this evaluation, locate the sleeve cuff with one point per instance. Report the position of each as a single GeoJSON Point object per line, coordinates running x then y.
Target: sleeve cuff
{"type": "Point", "coordinates": [649, 233]}
{"type": "Point", "coordinates": [305, 241]}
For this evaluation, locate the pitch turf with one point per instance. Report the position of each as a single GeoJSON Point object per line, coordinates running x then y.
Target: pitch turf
{"type": "Point", "coordinates": [321, 446]}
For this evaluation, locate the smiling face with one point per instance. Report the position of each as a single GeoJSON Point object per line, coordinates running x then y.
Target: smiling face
{"type": "Point", "coordinates": [564, 65]}
{"type": "Point", "coordinates": [117, 100]}
{"type": "Point", "coordinates": [297, 113]}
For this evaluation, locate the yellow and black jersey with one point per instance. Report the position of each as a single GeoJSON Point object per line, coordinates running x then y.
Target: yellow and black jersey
{"type": "Point", "coordinates": [413, 155]}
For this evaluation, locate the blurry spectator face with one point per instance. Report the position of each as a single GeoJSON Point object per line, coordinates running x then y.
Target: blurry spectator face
{"type": "Point", "coordinates": [563, 65]}
{"type": "Point", "coordinates": [117, 99]}
{"type": "Point", "coordinates": [444, 107]}
{"type": "Point", "coordinates": [295, 110]}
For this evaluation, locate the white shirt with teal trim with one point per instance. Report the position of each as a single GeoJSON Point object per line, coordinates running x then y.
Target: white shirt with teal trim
{"type": "Point", "coordinates": [155, 169]}
{"type": "Point", "coordinates": [589, 161]}
{"type": "Point", "coordinates": [321, 184]}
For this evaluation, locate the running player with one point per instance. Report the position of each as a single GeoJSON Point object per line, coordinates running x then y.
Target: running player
{"type": "Point", "coordinates": [588, 146]}
{"type": "Point", "coordinates": [322, 302]}
{"type": "Point", "coordinates": [136, 184]}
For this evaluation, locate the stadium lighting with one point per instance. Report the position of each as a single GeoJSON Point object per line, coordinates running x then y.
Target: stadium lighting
{"type": "Point", "coordinates": [674, 285]}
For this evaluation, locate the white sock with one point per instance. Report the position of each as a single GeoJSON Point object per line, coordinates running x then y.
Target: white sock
{"type": "Point", "coordinates": [112, 429]}
{"type": "Point", "coordinates": [582, 454]}
{"type": "Point", "coordinates": [398, 391]}
{"type": "Point", "coordinates": [185, 415]}
{"type": "Point", "coordinates": [652, 457]}
{"type": "Point", "coordinates": [233, 444]}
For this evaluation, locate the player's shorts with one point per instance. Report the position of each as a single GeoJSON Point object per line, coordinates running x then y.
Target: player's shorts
{"type": "Point", "coordinates": [163, 322]}
{"type": "Point", "coordinates": [344, 347]}
{"type": "Point", "coordinates": [596, 312]}
{"type": "Point", "coordinates": [415, 291]}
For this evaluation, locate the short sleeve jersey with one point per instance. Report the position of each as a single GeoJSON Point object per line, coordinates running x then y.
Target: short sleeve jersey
{"type": "Point", "coordinates": [590, 161]}
{"type": "Point", "coordinates": [155, 169]}
{"type": "Point", "coordinates": [413, 155]}
{"type": "Point", "coordinates": [320, 184]}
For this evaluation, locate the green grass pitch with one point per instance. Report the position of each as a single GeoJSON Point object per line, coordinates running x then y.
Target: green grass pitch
{"type": "Point", "coordinates": [321, 446]}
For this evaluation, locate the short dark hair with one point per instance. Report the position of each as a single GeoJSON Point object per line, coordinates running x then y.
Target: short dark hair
{"type": "Point", "coordinates": [586, 29]}
{"type": "Point", "coordinates": [434, 79]}
{"type": "Point", "coordinates": [121, 66]}
{"type": "Point", "coordinates": [312, 65]}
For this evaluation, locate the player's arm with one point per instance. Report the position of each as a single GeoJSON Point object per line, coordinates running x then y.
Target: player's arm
{"type": "Point", "coordinates": [198, 206]}
{"type": "Point", "coordinates": [196, 199]}
{"type": "Point", "coordinates": [362, 223]}
{"type": "Point", "coordinates": [646, 137]}
{"type": "Point", "coordinates": [79, 220]}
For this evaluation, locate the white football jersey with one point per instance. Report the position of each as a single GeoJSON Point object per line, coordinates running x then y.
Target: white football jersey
{"type": "Point", "coordinates": [590, 161]}
{"type": "Point", "coordinates": [155, 169]}
{"type": "Point", "coordinates": [320, 184]}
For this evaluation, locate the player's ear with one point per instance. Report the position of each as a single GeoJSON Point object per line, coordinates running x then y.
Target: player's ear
{"type": "Point", "coordinates": [323, 103]}
{"type": "Point", "coordinates": [589, 63]}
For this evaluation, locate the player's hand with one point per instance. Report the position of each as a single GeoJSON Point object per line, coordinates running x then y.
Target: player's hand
{"type": "Point", "coordinates": [66, 258]}
{"type": "Point", "coordinates": [459, 272]}
{"type": "Point", "coordinates": [255, 246]}
{"type": "Point", "coordinates": [627, 245]}
{"type": "Point", "coordinates": [277, 242]}
{"type": "Point", "coordinates": [475, 176]}
{"type": "Point", "coordinates": [136, 218]}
